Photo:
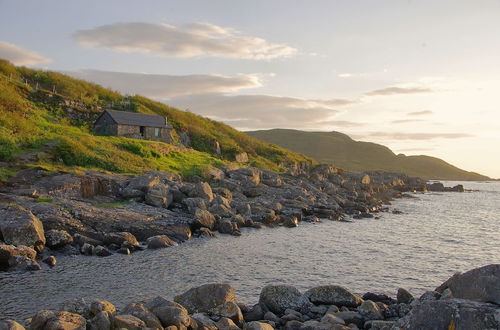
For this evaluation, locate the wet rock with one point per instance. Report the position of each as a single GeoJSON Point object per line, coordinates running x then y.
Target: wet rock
{"type": "Point", "coordinates": [228, 227]}
{"type": "Point", "coordinates": [22, 263]}
{"type": "Point", "coordinates": [9, 251]}
{"type": "Point", "coordinates": [101, 305]}
{"type": "Point", "coordinates": [101, 251]}
{"type": "Point", "coordinates": [451, 314]}
{"type": "Point", "coordinates": [140, 311]}
{"type": "Point", "coordinates": [479, 284]}
{"type": "Point", "coordinates": [290, 221]}
{"type": "Point", "coordinates": [87, 249]}
{"type": "Point", "coordinates": [57, 320]}
{"type": "Point", "coordinates": [10, 325]}
{"type": "Point", "coordinates": [370, 310]}
{"type": "Point", "coordinates": [203, 218]}
{"type": "Point", "coordinates": [404, 297]}
{"type": "Point", "coordinates": [254, 325]}
{"type": "Point", "coordinates": [123, 250]}
{"type": "Point", "coordinates": [129, 322]}
{"type": "Point", "coordinates": [160, 241]}
{"type": "Point", "coordinates": [278, 298]}
{"type": "Point", "coordinates": [56, 239]}
{"type": "Point", "coordinates": [119, 238]}
{"type": "Point", "coordinates": [333, 295]}
{"type": "Point", "coordinates": [204, 298]}
{"type": "Point", "coordinates": [19, 226]}
{"type": "Point", "coordinates": [51, 261]}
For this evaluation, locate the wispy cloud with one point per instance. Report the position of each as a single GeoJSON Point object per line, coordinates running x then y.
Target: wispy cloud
{"type": "Point", "coordinates": [399, 90]}
{"type": "Point", "coordinates": [168, 86]}
{"type": "Point", "coordinates": [417, 136]}
{"type": "Point", "coordinates": [197, 39]}
{"type": "Point", "coordinates": [419, 113]}
{"type": "Point", "coordinates": [404, 121]}
{"type": "Point", "coordinates": [258, 111]}
{"type": "Point", "coordinates": [342, 123]}
{"type": "Point", "coordinates": [345, 75]}
{"type": "Point", "coordinates": [20, 56]}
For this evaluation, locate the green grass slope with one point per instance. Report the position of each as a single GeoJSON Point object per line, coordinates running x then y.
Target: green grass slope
{"type": "Point", "coordinates": [37, 130]}
{"type": "Point", "coordinates": [342, 151]}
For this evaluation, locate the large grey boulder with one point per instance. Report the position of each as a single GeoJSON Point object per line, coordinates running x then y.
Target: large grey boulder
{"type": "Point", "coordinates": [370, 310]}
{"type": "Point", "coordinates": [140, 311]}
{"type": "Point", "coordinates": [159, 195]}
{"type": "Point", "coordinates": [168, 312]}
{"type": "Point", "coordinates": [278, 298]}
{"type": "Point", "coordinates": [480, 284]}
{"type": "Point", "coordinates": [229, 310]}
{"type": "Point", "coordinates": [160, 241]}
{"type": "Point", "coordinates": [203, 218]}
{"type": "Point", "coordinates": [57, 320]}
{"type": "Point", "coordinates": [20, 227]}
{"type": "Point", "coordinates": [455, 314]}
{"type": "Point", "coordinates": [56, 239]}
{"type": "Point", "coordinates": [202, 190]}
{"type": "Point", "coordinates": [333, 295]}
{"type": "Point", "coordinates": [206, 297]}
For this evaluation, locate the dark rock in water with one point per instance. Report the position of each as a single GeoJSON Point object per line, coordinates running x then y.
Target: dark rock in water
{"type": "Point", "coordinates": [20, 227]}
{"type": "Point", "coordinates": [9, 251]}
{"type": "Point", "coordinates": [101, 251]}
{"type": "Point", "coordinates": [451, 314]}
{"type": "Point", "coordinates": [160, 241]}
{"type": "Point", "coordinates": [58, 239]}
{"type": "Point", "coordinates": [479, 284]}
{"type": "Point", "coordinates": [404, 297]}
{"type": "Point", "coordinates": [203, 298]}
{"type": "Point", "coordinates": [395, 211]}
{"type": "Point", "coordinates": [436, 186]}
{"type": "Point", "coordinates": [10, 325]}
{"type": "Point", "coordinates": [57, 320]}
{"type": "Point", "coordinates": [383, 298]}
{"type": "Point", "coordinates": [87, 249]}
{"type": "Point", "coordinates": [278, 298]}
{"type": "Point", "coordinates": [333, 295]}
{"type": "Point", "coordinates": [290, 221]}
{"type": "Point", "coordinates": [22, 263]}
{"type": "Point", "coordinates": [51, 261]}
{"type": "Point", "coordinates": [123, 250]}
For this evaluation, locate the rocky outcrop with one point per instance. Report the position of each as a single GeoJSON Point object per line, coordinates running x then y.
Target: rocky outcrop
{"type": "Point", "coordinates": [20, 227]}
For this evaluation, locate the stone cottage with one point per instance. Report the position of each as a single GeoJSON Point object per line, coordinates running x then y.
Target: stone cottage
{"type": "Point", "coordinates": [133, 125]}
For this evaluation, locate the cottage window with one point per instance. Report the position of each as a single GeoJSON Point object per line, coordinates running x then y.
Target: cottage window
{"type": "Point", "coordinates": [157, 132]}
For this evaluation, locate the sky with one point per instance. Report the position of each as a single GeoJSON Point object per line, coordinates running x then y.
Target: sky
{"type": "Point", "coordinates": [421, 77]}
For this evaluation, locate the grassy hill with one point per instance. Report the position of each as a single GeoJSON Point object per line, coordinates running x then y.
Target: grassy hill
{"type": "Point", "coordinates": [46, 122]}
{"type": "Point", "coordinates": [342, 151]}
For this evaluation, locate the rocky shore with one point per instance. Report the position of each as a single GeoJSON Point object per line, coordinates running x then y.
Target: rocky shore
{"type": "Point", "coordinates": [466, 301]}
{"type": "Point", "coordinates": [43, 215]}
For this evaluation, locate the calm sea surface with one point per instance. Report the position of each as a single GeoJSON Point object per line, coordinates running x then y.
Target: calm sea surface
{"type": "Point", "coordinates": [438, 235]}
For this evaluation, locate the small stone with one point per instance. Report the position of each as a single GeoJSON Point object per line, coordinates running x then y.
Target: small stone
{"type": "Point", "coordinates": [51, 261]}
{"type": "Point", "coordinates": [123, 250]}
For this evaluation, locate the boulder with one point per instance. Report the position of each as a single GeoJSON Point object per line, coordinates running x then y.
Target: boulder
{"type": "Point", "coordinates": [56, 239]}
{"type": "Point", "coordinates": [221, 211]}
{"type": "Point", "coordinates": [479, 284]}
{"type": "Point", "coordinates": [10, 325]}
{"type": "Point", "coordinates": [19, 226]}
{"type": "Point", "coordinates": [254, 314]}
{"type": "Point", "coordinates": [330, 318]}
{"type": "Point", "coordinates": [102, 321]}
{"type": "Point", "coordinates": [50, 260]}
{"type": "Point", "coordinates": [140, 311]}
{"type": "Point", "coordinates": [119, 238]}
{"type": "Point", "coordinates": [278, 298]}
{"type": "Point", "coordinates": [290, 221]}
{"type": "Point", "coordinates": [159, 195]}
{"type": "Point", "coordinates": [167, 311]}
{"type": "Point", "coordinates": [129, 322]}
{"type": "Point", "coordinates": [101, 251]}
{"type": "Point", "coordinates": [101, 305]}
{"type": "Point", "coordinates": [160, 241]}
{"type": "Point", "coordinates": [203, 218]}
{"type": "Point", "coordinates": [57, 320]}
{"type": "Point", "coordinates": [82, 239]}
{"type": "Point", "coordinates": [333, 295]}
{"type": "Point", "coordinates": [404, 297]}
{"type": "Point", "coordinates": [255, 325]}
{"type": "Point", "coordinates": [227, 227]}
{"type": "Point", "coordinates": [193, 204]}
{"type": "Point", "coordinates": [241, 157]}
{"type": "Point", "coordinates": [370, 310]}
{"type": "Point", "coordinates": [9, 251]}
{"type": "Point", "coordinates": [204, 298]}
{"type": "Point", "coordinates": [226, 324]}
{"type": "Point", "coordinates": [76, 306]}
{"type": "Point", "coordinates": [22, 263]}
{"type": "Point", "coordinates": [204, 321]}
{"type": "Point", "coordinates": [143, 183]}
{"type": "Point", "coordinates": [451, 314]}
{"type": "Point", "coordinates": [352, 317]}
{"type": "Point", "coordinates": [202, 190]}
{"type": "Point", "coordinates": [229, 310]}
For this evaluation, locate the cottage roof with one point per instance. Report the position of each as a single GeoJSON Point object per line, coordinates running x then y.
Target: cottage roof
{"type": "Point", "coordinates": [136, 119]}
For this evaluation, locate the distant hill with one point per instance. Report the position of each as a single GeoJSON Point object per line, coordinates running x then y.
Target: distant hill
{"type": "Point", "coordinates": [342, 151]}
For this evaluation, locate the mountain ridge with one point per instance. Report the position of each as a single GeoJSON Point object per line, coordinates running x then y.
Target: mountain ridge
{"type": "Point", "coordinates": [342, 151]}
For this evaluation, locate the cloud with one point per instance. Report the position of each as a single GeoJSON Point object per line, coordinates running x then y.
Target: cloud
{"type": "Point", "coordinates": [167, 86]}
{"type": "Point", "coordinates": [198, 39]}
{"type": "Point", "coordinates": [258, 111]}
{"type": "Point", "coordinates": [336, 102]}
{"type": "Point", "coordinates": [20, 56]}
{"type": "Point", "coordinates": [399, 90]}
{"type": "Point", "coordinates": [417, 136]}
{"type": "Point", "coordinates": [419, 113]}
{"type": "Point", "coordinates": [342, 123]}
{"type": "Point", "coordinates": [404, 121]}
{"type": "Point", "coordinates": [345, 75]}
